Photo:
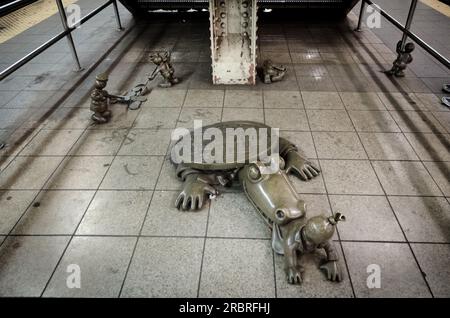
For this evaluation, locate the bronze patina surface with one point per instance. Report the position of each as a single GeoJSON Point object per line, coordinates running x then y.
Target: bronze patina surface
{"type": "Point", "coordinates": [272, 194]}
{"type": "Point", "coordinates": [404, 58]}
{"type": "Point", "coordinates": [272, 73]}
{"type": "Point", "coordinates": [100, 100]}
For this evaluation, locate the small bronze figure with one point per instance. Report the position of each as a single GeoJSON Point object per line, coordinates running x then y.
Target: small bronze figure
{"type": "Point", "coordinates": [100, 100]}
{"type": "Point", "coordinates": [403, 59]}
{"type": "Point", "coordinates": [165, 68]}
{"type": "Point", "coordinates": [272, 194]}
{"type": "Point", "coordinates": [273, 73]}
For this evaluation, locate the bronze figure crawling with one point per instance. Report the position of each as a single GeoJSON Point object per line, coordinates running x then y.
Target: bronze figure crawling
{"type": "Point", "coordinates": [164, 68]}
{"type": "Point", "coordinates": [272, 73]}
{"type": "Point", "coordinates": [272, 194]}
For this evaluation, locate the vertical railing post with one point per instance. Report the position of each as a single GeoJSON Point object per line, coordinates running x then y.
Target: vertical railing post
{"type": "Point", "coordinates": [412, 10]}
{"type": "Point", "coordinates": [69, 37]}
{"type": "Point", "coordinates": [116, 11]}
{"type": "Point", "coordinates": [361, 15]}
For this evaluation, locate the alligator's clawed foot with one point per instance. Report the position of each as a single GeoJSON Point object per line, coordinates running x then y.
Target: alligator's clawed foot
{"type": "Point", "coordinates": [300, 166]}
{"type": "Point", "coordinates": [194, 195]}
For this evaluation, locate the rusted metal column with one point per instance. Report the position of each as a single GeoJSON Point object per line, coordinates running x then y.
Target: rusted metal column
{"type": "Point", "coordinates": [233, 41]}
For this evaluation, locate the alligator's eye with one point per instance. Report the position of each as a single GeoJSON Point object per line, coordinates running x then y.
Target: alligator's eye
{"type": "Point", "coordinates": [254, 173]}
{"type": "Point", "coordinates": [280, 214]}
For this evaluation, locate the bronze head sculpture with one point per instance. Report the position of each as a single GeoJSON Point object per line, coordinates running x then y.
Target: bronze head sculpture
{"type": "Point", "coordinates": [272, 194]}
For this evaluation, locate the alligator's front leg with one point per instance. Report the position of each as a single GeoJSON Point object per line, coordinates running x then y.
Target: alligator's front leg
{"type": "Point", "coordinates": [331, 267]}
{"type": "Point", "coordinates": [297, 163]}
{"type": "Point", "coordinates": [292, 268]}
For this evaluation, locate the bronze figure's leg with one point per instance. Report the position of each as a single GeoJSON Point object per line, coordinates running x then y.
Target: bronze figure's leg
{"type": "Point", "coordinates": [297, 163]}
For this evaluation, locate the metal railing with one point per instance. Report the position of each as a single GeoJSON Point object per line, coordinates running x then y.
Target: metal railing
{"type": "Point", "coordinates": [66, 33]}
{"type": "Point", "coordinates": [404, 28]}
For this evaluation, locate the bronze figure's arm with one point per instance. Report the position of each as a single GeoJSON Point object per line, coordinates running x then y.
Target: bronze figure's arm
{"type": "Point", "coordinates": [331, 268]}
{"type": "Point", "coordinates": [297, 163]}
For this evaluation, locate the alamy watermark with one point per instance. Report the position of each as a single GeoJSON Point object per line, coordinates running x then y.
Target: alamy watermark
{"type": "Point", "coordinates": [374, 278]}
{"type": "Point", "coordinates": [73, 14]}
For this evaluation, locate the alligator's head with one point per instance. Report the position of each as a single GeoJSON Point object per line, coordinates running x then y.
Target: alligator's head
{"type": "Point", "coordinates": [272, 194]}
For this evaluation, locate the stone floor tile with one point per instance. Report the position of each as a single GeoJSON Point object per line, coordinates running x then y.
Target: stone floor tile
{"type": "Point", "coordinates": [28, 172]}
{"type": "Point", "coordinates": [341, 145]}
{"type": "Point", "coordinates": [145, 142]}
{"type": "Point", "coordinates": [154, 269]}
{"type": "Point", "coordinates": [243, 98]}
{"type": "Point", "coordinates": [440, 172]}
{"type": "Point", "coordinates": [431, 102]}
{"type": "Point", "coordinates": [430, 147]}
{"type": "Point", "coordinates": [206, 98]}
{"type": "Point", "coordinates": [373, 121]}
{"type": "Point", "coordinates": [282, 99]}
{"type": "Point", "coordinates": [350, 177]}
{"type": "Point", "coordinates": [165, 98]}
{"type": "Point", "coordinates": [411, 121]}
{"type": "Point", "coordinates": [303, 140]}
{"type": "Point", "coordinates": [27, 263]}
{"type": "Point", "coordinates": [329, 120]}
{"type": "Point", "coordinates": [99, 143]}
{"type": "Point", "coordinates": [233, 215]}
{"type": "Point", "coordinates": [237, 268]}
{"type": "Point", "coordinates": [14, 204]}
{"type": "Point", "coordinates": [368, 218]}
{"type": "Point", "coordinates": [251, 114]}
{"type": "Point", "coordinates": [433, 260]}
{"type": "Point", "coordinates": [54, 213]}
{"type": "Point", "coordinates": [287, 119]}
{"type": "Point", "coordinates": [322, 100]}
{"type": "Point", "coordinates": [208, 116]}
{"type": "Point", "coordinates": [80, 173]}
{"type": "Point", "coordinates": [444, 119]}
{"type": "Point", "coordinates": [423, 219]}
{"type": "Point", "coordinates": [51, 143]}
{"type": "Point", "coordinates": [387, 146]}
{"type": "Point", "coordinates": [156, 118]}
{"type": "Point", "coordinates": [400, 276]}
{"type": "Point", "coordinates": [132, 173]}
{"type": "Point", "coordinates": [401, 101]}
{"type": "Point", "coordinates": [316, 84]}
{"type": "Point", "coordinates": [167, 179]}
{"type": "Point", "coordinates": [164, 219]}
{"type": "Point", "coordinates": [405, 178]}
{"type": "Point", "coordinates": [115, 213]}
{"type": "Point", "coordinates": [361, 101]}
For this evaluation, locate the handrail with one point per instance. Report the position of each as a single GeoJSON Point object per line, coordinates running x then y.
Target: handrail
{"type": "Point", "coordinates": [66, 33]}
{"type": "Point", "coordinates": [405, 29]}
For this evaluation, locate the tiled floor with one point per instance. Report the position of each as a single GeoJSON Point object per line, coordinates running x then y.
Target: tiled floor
{"type": "Point", "coordinates": [101, 197]}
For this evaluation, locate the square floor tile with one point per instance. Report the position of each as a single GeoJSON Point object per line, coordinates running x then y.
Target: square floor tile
{"type": "Point", "coordinates": [440, 172]}
{"type": "Point", "coordinates": [54, 213]}
{"type": "Point", "coordinates": [102, 261]}
{"type": "Point", "coordinates": [287, 119]}
{"type": "Point", "coordinates": [115, 213]}
{"type": "Point", "coordinates": [133, 173]}
{"type": "Point", "coordinates": [206, 98]}
{"type": "Point", "coordinates": [282, 99]}
{"type": "Point", "coordinates": [350, 177]}
{"type": "Point", "coordinates": [164, 219]}
{"type": "Point", "coordinates": [387, 146]}
{"type": "Point", "coordinates": [303, 140]}
{"type": "Point", "coordinates": [232, 215]}
{"type": "Point", "coordinates": [432, 102]}
{"type": "Point", "coordinates": [14, 204]}
{"type": "Point", "coordinates": [145, 142]}
{"type": "Point", "coordinates": [167, 179]}
{"type": "Point", "coordinates": [338, 145]}
{"type": "Point", "coordinates": [401, 101]}
{"type": "Point", "coordinates": [156, 118]}
{"type": "Point", "coordinates": [28, 172]}
{"type": "Point", "coordinates": [208, 116]}
{"type": "Point", "coordinates": [400, 276]}
{"type": "Point", "coordinates": [352, 84]}
{"type": "Point", "coordinates": [405, 178]}
{"type": "Point", "coordinates": [410, 121]}
{"type": "Point", "coordinates": [322, 100]}
{"type": "Point", "coordinates": [6, 96]}
{"type": "Point", "coordinates": [80, 173]}
{"type": "Point", "coordinates": [70, 118]}
{"type": "Point", "coordinates": [316, 84]}
{"type": "Point", "coordinates": [251, 114]}
{"type": "Point", "coordinates": [310, 70]}
{"type": "Point", "coordinates": [368, 218]}
{"type": "Point", "coordinates": [314, 282]}
{"type": "Point", "coordinates": [329, 120]}
{"type": "Point", "coordinates": [243, 98]}
{"type": "Point", "coordinates": [165, 267]}
{"type": "Point", "coordinates": [430, 147]}
{"type": "Point", "coordinates": [444, 119]}
{"type": "Point", "coordinates": [237, 268]}
{"type": "Point", "coordinates": [99, 143]}
{"type": "Point", "coordinates": [373, 121]}
{"type": "Point", "coordinates": [51, 143]}
{"type": "Point", "coordinates": [362, 101]}
{"type": "Point", "coordinates": [433, 260]}
{"type": "Point", "coordinates": [121, 118]}
{"type": "Point", "coordinates": [424, 219]}
{"type": "Point", "coordinates": [28, 263]}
